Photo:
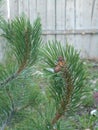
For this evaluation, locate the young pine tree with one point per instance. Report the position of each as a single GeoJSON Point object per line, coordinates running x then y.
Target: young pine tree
{"type": "Point", "coordinates": [20, 105]}
{"type": "Point", "coordinates": [17, 90]}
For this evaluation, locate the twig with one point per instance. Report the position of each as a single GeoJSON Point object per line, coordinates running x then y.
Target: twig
{"type": "Point", "coordinates": [11, 98]}
{"type": "Point", "coordinates": [24, 107]}
{"type": "Point", "coordinates": [8, 120]}
{"type": "Point", "coordinates": [23, 64]}
{"type": "Point", "coordinates": [12, 77]}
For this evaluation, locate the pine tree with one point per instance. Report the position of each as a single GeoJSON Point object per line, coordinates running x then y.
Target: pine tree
{"type": "Point", "coordinates": [17, 92]}
{"type": "Point", "coordinates": [66, 75]}
{"type": "Point", "coordinates": [23, 105]}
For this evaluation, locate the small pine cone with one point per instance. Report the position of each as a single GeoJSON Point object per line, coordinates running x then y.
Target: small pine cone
{"type": "Point", "coordinates": [57, 69]}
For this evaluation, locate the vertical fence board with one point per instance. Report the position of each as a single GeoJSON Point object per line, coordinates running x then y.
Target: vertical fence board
{"type": "Point", "coordinates": [60, 19]}
{"type": "Point", "coordinates": [50, 18]}
{"type": "Point", "coordinates": [41, 10]}
{"type": "Point", "coordinates": [86, 46]}
{"type": "Point", "coordinates": [26, 7]}
{"type": "Point", "coordinates": [70, 39]}
{"type": "Point", "coordinates": [61, 38]}
{"type": "Point", "coordinates": [70, 20]}
{"type": "Point", "coordinates": [94, 39]}
{"type": "Point", "coordinates": [83, 21]}
{"type": "Point", "coordinates": [13, 8]}
{"type": "Point", "coordinates": [60, 11]}
{"type": "Point", "coordinates": [50, 15]}
{"type": "Point", "coordinates": [83, 14]}
{"type": "Point", "coordinates": [33, 10]}
{"type": "Point", "coordinates": [94, 47]}
{"type": "Point", "coordinates": [20, 4]}
{"type": "Point", "coordinates": [95, 15]}
{"type": "Point", "coordinates": [69, 14]}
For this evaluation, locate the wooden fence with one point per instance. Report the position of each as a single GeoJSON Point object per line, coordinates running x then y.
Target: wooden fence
{"type": "Point", "coordinates": [74, 21]}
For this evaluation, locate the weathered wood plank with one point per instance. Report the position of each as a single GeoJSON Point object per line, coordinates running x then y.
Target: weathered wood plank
{"type": "Point", "coordinates": [60, 19]}
{"type": "Point", "coordinates": [50, 15]}
{"type": "Point", "coordinates": [60, 12]}
{"type": "Point", "coordinates": [70, 14]}
{"type": "Point", "coordinates": [93, 49]}
{"type": "Point", "coordinates": [79, 43]}
{"type": "Point", "coordinates": [71, 20]}
{"type": "Point", "coordinates": [23, 7]}
{"type": "Point", "coordinates": [26, 7]}
{"type": "Point", "coordinates": [70, 39]}
{"type": "Point", "coordinates": [42, 12]}
{"type": "Point", "coordinates": [44, 38]}
{"type": "Point", "coordinates": [32, 10]}
{"type": "Point", "coordinates": [13, 8]}
{"type": "Point", "coordinates": [20, 8]}
{"type": "Point", "coordinates": [61, 38]}
{"type": "Point", "coordinates": [50, 18]}
{"type": "Point", "coordinates": [50, 38]}
{"type": "Point", "coordinates": [83, 14]}
{"type": "Point", "coordinates": [93, 8]}
{"type": "Point", "coordinates": [95, 15]}
{"type": "Point", "coordinates": [85, 42]}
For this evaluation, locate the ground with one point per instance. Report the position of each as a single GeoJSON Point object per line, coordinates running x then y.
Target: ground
{"type": "Point", "coordinates": [86, 119]}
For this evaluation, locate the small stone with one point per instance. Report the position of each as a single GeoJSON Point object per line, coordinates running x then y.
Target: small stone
{"type": "Point", "coordinates": [93, 112]}
{"type": "Point", "coordinates": [50, 69]}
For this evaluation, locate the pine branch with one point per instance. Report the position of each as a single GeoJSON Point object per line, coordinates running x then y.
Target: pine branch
{"type": "Point", "coordinates": [8, 120]}
{"type": "Point", "coordinates": [67, 79]}
{"type": "Point", "coordinates": [12, 113]}
{"type": "Point", "coordinates": [24, 40]}
{"type": "Point", "coordinates": [9, 79]}
{"type": "Point", "coordinates": [26, 106]}
{"type": "Point", "coordinates": [13, 76]}
{"type": "Point", "coordinates": [64, 105]}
